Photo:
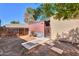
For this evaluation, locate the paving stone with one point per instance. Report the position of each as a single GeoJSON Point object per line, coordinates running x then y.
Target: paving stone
{"type": "Point", "coordinates": [60, 51]}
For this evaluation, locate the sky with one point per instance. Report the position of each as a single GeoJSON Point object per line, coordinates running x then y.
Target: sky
{"type": "Point", "coordinates": [14, 11]}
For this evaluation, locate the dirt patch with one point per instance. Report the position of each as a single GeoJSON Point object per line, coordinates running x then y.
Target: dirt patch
{"type": "Point", "coordinates": [11, 47]}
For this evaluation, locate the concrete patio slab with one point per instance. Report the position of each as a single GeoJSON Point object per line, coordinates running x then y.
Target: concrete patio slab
{"type": "Point", "coordinates": [33, 43]}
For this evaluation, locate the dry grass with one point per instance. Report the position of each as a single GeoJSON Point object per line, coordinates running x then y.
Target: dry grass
{"type": "Point", "coordinates": [27, 37]}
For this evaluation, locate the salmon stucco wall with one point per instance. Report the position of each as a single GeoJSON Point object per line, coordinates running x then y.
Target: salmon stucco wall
{"type": "Point", "coordinates": [37, 27]}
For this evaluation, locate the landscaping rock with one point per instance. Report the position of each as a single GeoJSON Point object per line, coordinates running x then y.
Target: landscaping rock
{"type": "Point", "coordinates": [72, 36]}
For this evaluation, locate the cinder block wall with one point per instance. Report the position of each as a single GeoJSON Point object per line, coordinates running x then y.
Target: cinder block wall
{"type": "Point", "coordinates": [62, 26]}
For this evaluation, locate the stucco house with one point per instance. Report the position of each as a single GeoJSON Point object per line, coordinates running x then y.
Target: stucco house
{"type": "Point", "coordinates": [18, 29]}
{"type": "Point", "coordinates": [41, 28]}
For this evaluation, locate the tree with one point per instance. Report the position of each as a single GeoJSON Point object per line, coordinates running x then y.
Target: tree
{"type": "Point", "coordinates": [29, 15]}
{"type": "Point", "coordinates": [14, 22]}
{"type": "Point", "coordinates": [46, 10]}
{"type": "Point", "coordinates": [60, 10]}
{"type": "Point", "coordinates": [67, 10]}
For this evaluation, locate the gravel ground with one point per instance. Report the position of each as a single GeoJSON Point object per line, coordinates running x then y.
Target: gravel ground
{"type": "Point", "coordinates": [12, 47]}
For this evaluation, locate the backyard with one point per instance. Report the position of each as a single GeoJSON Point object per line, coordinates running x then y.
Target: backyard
{"type": "Point", "coordinates": [11, 46]}
{"type": "Point", "coordinates": [56, 22]}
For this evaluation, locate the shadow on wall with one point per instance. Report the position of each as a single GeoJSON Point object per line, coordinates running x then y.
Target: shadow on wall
{"type": "Point", "coordinates": [63, 26]}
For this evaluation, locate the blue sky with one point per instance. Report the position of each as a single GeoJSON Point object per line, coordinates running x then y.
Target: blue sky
{"type": "Point", "coordinates": [14, 11]}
